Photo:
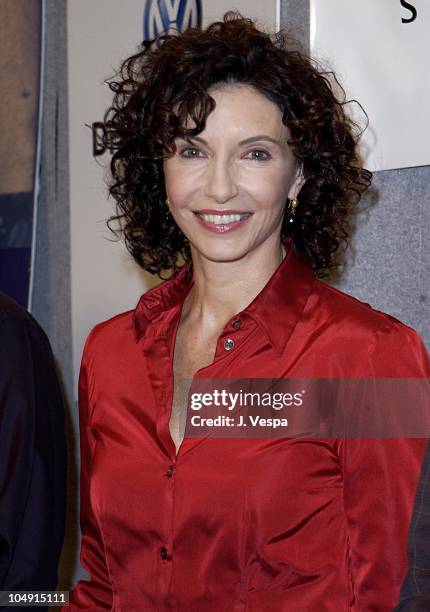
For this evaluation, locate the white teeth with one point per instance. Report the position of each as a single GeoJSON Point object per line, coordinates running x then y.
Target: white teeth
{"type": "Point", "coordinates": [222, 219]}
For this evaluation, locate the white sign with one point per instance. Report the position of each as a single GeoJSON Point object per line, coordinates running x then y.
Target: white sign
{"type": "Point", "coordinates": [102, 33]}
{"type": "Point", "coordinates": [380, 50]}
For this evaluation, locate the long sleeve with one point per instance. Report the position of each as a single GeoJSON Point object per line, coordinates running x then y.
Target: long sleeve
{"type": "Point", "coordinates": [95, 593]}
{"type": "Point", "coordinates": [32, 457]}
{"type": "Point", "coordinates": [380, 480]}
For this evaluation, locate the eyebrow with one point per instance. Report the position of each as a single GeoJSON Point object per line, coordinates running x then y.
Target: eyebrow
{"type": "Point", "coordinates": [243, 142]}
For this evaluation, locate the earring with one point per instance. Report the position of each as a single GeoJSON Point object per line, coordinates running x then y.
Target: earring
{"type": "Point", "coordinates": [291, 210]}
{"type": "Point", "coordinates": [167, 204]}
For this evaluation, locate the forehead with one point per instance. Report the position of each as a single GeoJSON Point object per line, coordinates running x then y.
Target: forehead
{"type": "Point", "coordinates": [240, 111]}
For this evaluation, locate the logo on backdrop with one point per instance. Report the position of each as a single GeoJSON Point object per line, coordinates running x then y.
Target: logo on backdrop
{"type": "Point", "coordinates": [162, 15]}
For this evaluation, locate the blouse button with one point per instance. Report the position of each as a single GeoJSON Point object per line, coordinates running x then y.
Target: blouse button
{"type": "Point", "coordinates": [169, 471]}
{"type": "Point", "coordinates": [163, 553]}
{"type": "Point", "coordinates": [229, 344]}
{"type": "Point", "coordinates": [236, 323]}
{"type": "Point", "coordinates": [96, 434]}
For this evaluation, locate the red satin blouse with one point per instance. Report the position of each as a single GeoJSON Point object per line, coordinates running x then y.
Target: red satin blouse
{"type": "Point", "coordinates": [242, 524]}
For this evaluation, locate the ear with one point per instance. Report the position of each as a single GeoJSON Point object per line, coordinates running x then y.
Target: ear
{"type": "Point", "coordinates": [298, 183]}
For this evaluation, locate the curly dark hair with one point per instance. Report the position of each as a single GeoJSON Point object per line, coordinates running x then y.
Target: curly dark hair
{"type": "Point", "coordinates": [166, 82]}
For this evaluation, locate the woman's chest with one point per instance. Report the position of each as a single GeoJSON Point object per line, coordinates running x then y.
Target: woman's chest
{"type": "Point", "coordinates": [272, 483]}
{"type": "Point", "coordinates": [190, 356]}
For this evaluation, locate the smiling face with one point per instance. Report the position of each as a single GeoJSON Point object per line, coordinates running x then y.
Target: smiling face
{"type": "Point", "coordinates": [228, 186]}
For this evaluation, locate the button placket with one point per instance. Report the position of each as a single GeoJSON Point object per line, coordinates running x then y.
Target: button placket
{"type": "Point", "coordinates": [230, 343]}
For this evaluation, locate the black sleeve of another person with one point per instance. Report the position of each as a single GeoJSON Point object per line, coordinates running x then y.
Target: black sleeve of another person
{"type": "Point", "coordinates": [32, 455]}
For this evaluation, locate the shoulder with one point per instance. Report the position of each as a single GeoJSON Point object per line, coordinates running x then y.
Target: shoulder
{"type": "Point", "coordinates": [113, 359]}
{"type": "Point", "coordinates": [118, 325]}
{"type": "Point", "coordinates": [19, 331]}
{"type": "Point", "coordinates": [122, 331]}
{"type": "Point", "coordinates": [345, 310]}
{"type": "Point", "coordinates": [381, 339]}
{"type": "Point", "coordinates": [11, 311]}
{"type": "Point", "coordinates": [27, 362]}
{"type": "Point", "coordinates": [112, 338]}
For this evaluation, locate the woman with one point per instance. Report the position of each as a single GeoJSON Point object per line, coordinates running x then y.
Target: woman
{"type": "Point", "coordinates": [233, 152]}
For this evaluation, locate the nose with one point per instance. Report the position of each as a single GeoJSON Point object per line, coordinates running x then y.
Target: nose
{"type": "Point", "coordinates": [220, 180]}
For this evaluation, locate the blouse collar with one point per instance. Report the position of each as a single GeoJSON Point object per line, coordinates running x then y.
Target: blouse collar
{"type": "Point", "coordinates": [276, 309]}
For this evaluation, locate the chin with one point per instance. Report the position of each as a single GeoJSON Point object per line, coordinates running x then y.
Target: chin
{"type": "Point", "coordinates": [221, 252]}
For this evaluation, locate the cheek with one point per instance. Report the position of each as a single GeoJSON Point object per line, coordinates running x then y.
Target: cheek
{"type": "Point", "coordinates": [269, 189]}
{"type": "Point", "coordinates": [178, 184]}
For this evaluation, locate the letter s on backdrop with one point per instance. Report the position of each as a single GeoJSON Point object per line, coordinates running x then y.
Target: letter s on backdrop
{"type": "Point", "coordinates": [408, 6]}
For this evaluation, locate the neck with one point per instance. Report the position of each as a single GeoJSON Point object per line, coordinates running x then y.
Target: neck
{"type": "Point", "coordinates": [222, 289]}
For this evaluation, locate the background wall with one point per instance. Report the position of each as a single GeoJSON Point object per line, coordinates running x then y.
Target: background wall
{"type": "Point", "coordinates": [52, 295]}
{"type": "Point", "coordinates": [21, 43]}
{"type": "Point", "coordinates": [388, 267]}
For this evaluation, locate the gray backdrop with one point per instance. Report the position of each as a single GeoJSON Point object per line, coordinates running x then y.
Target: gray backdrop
{"type": "Point", "coordinates": [388, 265]}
